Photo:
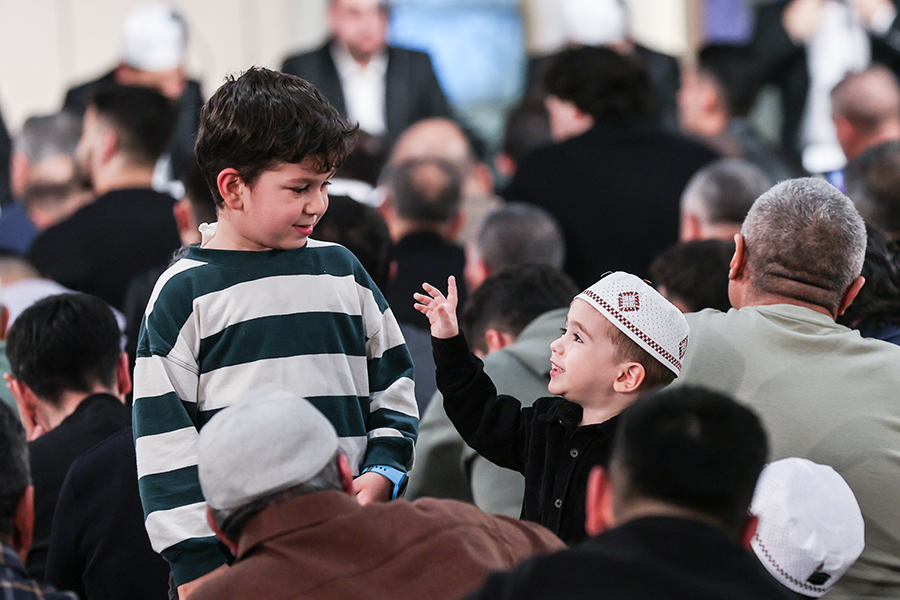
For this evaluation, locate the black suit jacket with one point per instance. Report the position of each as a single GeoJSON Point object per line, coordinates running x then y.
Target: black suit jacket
{"type": "Point", "coordinates": [412, 91]}
{"type": "Point", "coordinates": [96, 418]}
{"type": "Point", "coordinates": [650, 558]}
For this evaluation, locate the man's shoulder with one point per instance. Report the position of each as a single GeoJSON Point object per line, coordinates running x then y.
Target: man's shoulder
{"type": "Point", "coordinates": [296, 63]}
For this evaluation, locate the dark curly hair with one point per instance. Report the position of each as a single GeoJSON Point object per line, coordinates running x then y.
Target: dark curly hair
{"type": "Point", "coordinates": [263, 118]}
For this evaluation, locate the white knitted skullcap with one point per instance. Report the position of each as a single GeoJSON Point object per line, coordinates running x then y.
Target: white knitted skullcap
{"type": "Point", "coordinates": [810, 527]}
{"type": "Point", "coordinates": [641, 313]}
{"type": "Point", "coordinates": [153, 38]}
{"type": "Point", "coordinates": [268, 442]}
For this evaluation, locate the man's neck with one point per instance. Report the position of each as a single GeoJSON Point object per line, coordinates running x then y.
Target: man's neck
{"type": "Point", "coordinates": [648, 507]}
{"type": "Point", "coordinates": [400, 228]}
{"type": "Point", "coordinates": [122, 178]}
{"type": "Point", "coordinates": [761, 299]}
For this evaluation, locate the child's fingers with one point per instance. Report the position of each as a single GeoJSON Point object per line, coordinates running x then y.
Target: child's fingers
{"type": "Point", "coordinates": [451, 290]}
{"type": "Point", "coordinates": [433, 291]}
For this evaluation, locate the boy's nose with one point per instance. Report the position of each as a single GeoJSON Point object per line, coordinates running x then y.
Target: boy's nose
{"type": "Point", "coordinates": [555, 346]}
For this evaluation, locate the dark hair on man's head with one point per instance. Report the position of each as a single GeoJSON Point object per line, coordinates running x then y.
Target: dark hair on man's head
{"type": "Point", "coordinates": [724, 190]}
{"type": "Point", "coordinates": [263, 118]}
{"type": "Point", "coordinates": [15, 475]}
{"type": "Point", "coordinates": [67, 342]}
{"type": "Point", "coordinates": [197, 192]}
{"type": "Point", "coordinates": [656, 374]}
{"type": "Point", "coordinates": [732, 70]}
{"type": "Point", "coordinates": [692, 448]}
{"type": "Point", "coordinates": [366, 161]}
{"type": "Point", "coordinates": [695, 273]}
{"type": "Point", "coordinates": [425, 190]}
{"type": "Point", "coordinates": [873, 183]}
{"type": "Point", "coordinates": [527, 127]}
{"type": "Point", "coordinates": [362, 230]}
{"type": "Point", "coordinates": [518, 233]}
{"type": "Point", "coordinates": [877, 304]}
{"type": "Point", "coordinates": [142, 118]}
{"type": "Point", "coordinates": [601, 82]}
{"type": "Point", "coordinates": [511, 299]}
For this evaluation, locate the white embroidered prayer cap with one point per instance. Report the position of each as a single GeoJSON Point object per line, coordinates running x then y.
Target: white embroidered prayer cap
{"type": "Point", "coordinates": [594, 22]}
{"type": "Point", "coordinates": [153, 38]}
{"type": "Point", "coordinates": [266, 443]}
{"type": "Point", "coordinates": [641, 313]}
{"type": "Point", "coordinates": [810, 527]}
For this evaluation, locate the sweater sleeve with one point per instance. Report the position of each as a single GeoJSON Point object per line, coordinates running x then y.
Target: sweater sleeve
{"type": "Point", "coordinates": [166, 432]}
{"type": "Point", "coordinates": [497, 427]}
{"type": "Point", "coordinates": [393, 422]}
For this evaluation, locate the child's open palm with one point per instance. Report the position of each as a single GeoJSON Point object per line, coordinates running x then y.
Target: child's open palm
{"type": "Point", "coordinates": [440, 309]}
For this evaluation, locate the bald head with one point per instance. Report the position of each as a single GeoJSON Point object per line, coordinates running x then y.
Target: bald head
{"type": "Point", "coordinates": [866, 109]}
{"type": "Point", "coordinates": [433, 138]}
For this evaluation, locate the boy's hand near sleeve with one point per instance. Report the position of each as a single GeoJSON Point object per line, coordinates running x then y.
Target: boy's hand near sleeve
{"type": "Point", "coordinates": [371, 487]}
{"type": "Point", "coordinates": [440, 310]}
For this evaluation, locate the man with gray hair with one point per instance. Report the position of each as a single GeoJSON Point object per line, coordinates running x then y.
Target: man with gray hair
{"type": "Point", "coordinates": [873, 183]}
{"type": "Point", "coordinates": [283, 503]}
{"type": "Point", "coordinates": [516, 234]}
{"type": "Point", "coordinates": [717, 198]}
{"type": "Point", "coordinates": [825, 393]}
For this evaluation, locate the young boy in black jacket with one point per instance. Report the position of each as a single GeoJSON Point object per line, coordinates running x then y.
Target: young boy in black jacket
{"type": "Point", "coordinates": [621, 339]}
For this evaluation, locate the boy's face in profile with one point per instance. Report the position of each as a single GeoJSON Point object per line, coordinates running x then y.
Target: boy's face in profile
{"type": "Point", "coordinates": [583, 360]}
{"type": "Point", "coordinates": [280, 209]}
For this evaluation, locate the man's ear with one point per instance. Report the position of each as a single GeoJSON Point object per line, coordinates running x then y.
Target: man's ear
{"type": "Point", "coordinates": [109, 144]}
{"type": "Point", "coordinates": [27, 403]}
{"type": "Point", "coordinates": [850, 294]}
{"type": "Point", "coordinates": [4, 321]}
{"type": "Point", "coordinates": [123, 376]}
{"type": "Point", "coordinates": [495, 340]}
{"type": "Point", "coordinates": [749, 530]}
{"type": "Point", "coordinates": [739, 259]}
{"type": "Point", "coordinates": [23, 523]}
{"type": "Point", "coordinates": [598, 504]}
{"type": "Point", "coordinates": [631, 376]}
{"type": "Point", "coordinates": [231, 185]}
{"type": "Point", "coordinates": [690, 227]}
{"type": "Point", "coordinates": [346, 474]}
{"type": "Point", "coordinates": [184, 217]}
{"type": "Point", "coordinates": [232, 546]}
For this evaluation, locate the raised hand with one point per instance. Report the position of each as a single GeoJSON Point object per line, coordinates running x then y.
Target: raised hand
{"type": "Point", "coordinates": [440, 309]}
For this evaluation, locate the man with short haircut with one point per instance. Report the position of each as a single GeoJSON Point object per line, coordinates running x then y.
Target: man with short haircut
{"type": "Point", "coordinates": [515, 234]}
{"type": "Point", "coordinates": [17, 515]}
{"type": "Point", "coordinates": [42, 179]}
{"type": "Point", "coordinates": [718, 197]}
{"type": "Point", "coordinates": [669, 515]}
{"type": "Point", "coordinates": [154, 44]}
{"type": "Point", "coordinates": [512, 318]}
{"type": "Point", "coordinates": [595, 180]}
{"type": "Point", "coordinates": [865, 107]}
{"type": "Point", "coordinates": [421, 208]}
{"type": "Point", "coordinates": [825, 393]}
{"type": "Point", "coordinates": [283, 503]}
{"type": "Point", "coordinates": [443, 138]}
{"type": "Point", "coordinates": [129, 228]}
{"type": "Point", "coordinates": [873, 183]}
{"type": "Point", "coordinates": [383, 88]}
{"type": "Point", "coordinates": [713, 102]}
{"type": "Point", "coordinates": [69, 378]}
{"type": "Point", "coordinates": [694, 275]}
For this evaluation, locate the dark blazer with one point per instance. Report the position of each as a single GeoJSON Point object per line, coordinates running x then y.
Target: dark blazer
{"type": "Point", "coordinates": [412, 91]}
{"type": "Point", "coordinates": [99, 547]}
{"type": "Point", "coordinates": [616, 192]}
{"type": "Point", "coordinates": [650, 558]}
{"type": "Point", "coordinates": [96, 418]}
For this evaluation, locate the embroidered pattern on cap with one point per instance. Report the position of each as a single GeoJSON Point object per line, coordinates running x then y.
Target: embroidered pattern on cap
{"type": "Point", "coordinates": [682, 348]}
{"type": "Point", "coordinates": [631, 327]}
{"type": "Point", "coordinates": [785, 574]}
{"type": "Point", "coordinates": [629, 301]}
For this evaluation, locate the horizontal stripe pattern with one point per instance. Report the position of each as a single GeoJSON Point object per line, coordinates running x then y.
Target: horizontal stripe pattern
{"type": "Point", "coordinates": [220, 324]}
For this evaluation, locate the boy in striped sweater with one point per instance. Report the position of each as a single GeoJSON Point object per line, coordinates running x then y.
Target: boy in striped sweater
{"type": "Point", "coordinates": [263, 306]}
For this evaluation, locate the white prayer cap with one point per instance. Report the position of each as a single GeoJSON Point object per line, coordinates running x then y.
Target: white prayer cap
{"type": "Point", "coordinates": [594, 22]}
{"type": "Point", "coordinates": [153, 38]}
{"type": "Point", "coordinates": [641, 313]}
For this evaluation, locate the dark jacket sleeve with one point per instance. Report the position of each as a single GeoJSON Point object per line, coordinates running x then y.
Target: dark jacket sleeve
{"type": "Point", "coordinates": [497, 427]}
{"type": "Point", "coordinates": [64, 559]}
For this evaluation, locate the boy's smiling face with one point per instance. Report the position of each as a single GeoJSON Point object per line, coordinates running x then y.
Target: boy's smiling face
{"type": "Point", "coordinates": [583, 358]}
{"type": "Point", "coordinates": [280, 209]}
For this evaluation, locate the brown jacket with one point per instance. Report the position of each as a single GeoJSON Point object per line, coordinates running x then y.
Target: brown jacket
{"type": "Point", "coordinates": [324, 545]}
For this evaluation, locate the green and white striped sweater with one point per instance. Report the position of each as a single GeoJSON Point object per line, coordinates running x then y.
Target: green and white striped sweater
{"type": "Point", "coordinates": [220, 323]}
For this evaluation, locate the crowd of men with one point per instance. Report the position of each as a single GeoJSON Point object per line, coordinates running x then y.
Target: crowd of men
{"type": "Point", "coordinates": [766, 469]}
